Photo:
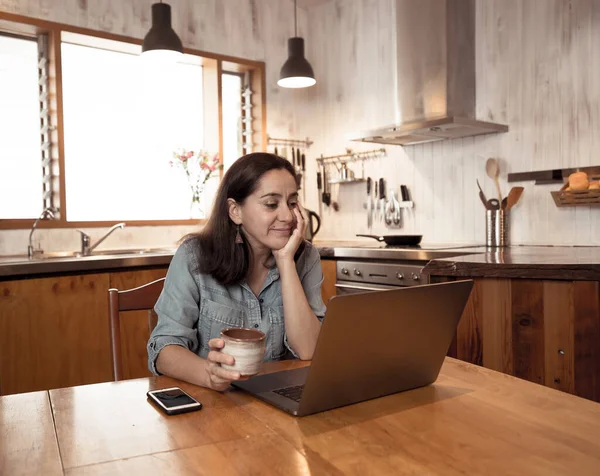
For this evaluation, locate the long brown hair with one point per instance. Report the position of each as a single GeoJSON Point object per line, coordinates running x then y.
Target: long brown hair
{"type": "Point", "coordinates": [220, 256]}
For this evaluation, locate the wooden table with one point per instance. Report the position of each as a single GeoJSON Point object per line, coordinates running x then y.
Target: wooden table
{"type": "Point", "coordinates": [471, 421]}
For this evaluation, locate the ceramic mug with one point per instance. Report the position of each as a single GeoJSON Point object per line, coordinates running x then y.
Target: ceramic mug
{"type": "Point", "coordinates": [247, 347]}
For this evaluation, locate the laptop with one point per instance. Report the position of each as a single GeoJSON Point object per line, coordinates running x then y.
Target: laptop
{"type": "Point", "coordinates": [370, 345]}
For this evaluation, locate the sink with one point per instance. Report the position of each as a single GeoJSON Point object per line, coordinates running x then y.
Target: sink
{"type": "Point", "coordinates": [132, 251]}
{"type": "Point", "coordinates": [69, 255]}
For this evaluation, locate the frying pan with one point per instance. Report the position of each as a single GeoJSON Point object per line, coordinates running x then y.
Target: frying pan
{"type": "Point", "coordinates": [397, 240]}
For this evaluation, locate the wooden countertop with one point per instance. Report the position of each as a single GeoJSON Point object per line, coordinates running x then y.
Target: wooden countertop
{"type": "Point", "coordinates": [533, 262]}
{"type": "Point", "coordinates": [471, 421]}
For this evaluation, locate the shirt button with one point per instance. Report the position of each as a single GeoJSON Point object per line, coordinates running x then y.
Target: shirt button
{"type": "Point", "coordinates": [256, 326]}
{"type": "Point", "coordinates": [261, 300]}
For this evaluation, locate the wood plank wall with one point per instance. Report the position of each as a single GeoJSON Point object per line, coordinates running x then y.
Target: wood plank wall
{"type": "Point", "coordinates": [537, 70]}
{"type": "Point", "coordinates": [547, 332]}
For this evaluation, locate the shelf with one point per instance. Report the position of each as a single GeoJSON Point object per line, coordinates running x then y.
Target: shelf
{"type": "Point", "coordinates": [542, 177]}
{"type": "Point", "coordinates": [576, 198]}
{"type": "Point", "coordinates": [346, 181]}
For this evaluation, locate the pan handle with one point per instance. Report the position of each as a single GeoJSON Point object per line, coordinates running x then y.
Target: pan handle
{"type": "Point", "coordinates": [375, 237]}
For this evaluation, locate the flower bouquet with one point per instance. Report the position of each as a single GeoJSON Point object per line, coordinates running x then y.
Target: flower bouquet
{"type": "Point", "coordinates": [198, 167]}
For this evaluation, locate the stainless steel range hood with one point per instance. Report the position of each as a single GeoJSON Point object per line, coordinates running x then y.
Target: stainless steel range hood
{"type": "Point", "coordinates": [436, 83]}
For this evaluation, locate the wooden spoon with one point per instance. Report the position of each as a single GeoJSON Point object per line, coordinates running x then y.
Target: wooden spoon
{"type": "Point", "coordinates": [493, 170]}
{"type": "Point", "coordinates": [513, 197]}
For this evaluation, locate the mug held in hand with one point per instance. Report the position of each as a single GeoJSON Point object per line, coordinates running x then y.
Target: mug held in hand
{"type": "Point", "coordinates": [247, 347]}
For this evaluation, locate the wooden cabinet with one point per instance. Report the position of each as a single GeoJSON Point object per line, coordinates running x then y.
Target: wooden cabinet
{"type": "Point", "coordinates": [54, 331]}
{"type": "Point", "coordinates": [544, 331]}
{"type": "Point", "coordinates": [328, 288]}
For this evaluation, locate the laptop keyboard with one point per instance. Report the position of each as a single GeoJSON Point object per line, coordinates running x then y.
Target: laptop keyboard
{"type": "Point", "coordinates": [293, 393]}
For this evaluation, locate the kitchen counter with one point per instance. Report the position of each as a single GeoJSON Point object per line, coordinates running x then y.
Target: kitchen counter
{"type": "Point", "coordinates": [532, 262]}
{"type": "Point", "coordinates": [64, 263]}
{"type": "Point", "coordinates": [535, 262]}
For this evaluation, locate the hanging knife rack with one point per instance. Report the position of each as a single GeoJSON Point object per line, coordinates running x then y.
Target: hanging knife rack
{"type": "Point", "coordinates": [305, 144]}
{"type": "Point", "coordinates": [351, 156]}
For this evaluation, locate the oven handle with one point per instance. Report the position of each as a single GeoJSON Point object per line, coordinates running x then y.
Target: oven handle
{"type": "Point", "coordinates": [361, 288]}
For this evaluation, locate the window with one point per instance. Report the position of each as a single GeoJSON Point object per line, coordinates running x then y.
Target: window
{"type": "Point", "coordinates": [89, 127]}
{"type": "Point", "coordinates": [20, 153]}
{"type": "Point", "coordinates": [232, 118]}
{"type": "Point", "coordinates": [123, 119]}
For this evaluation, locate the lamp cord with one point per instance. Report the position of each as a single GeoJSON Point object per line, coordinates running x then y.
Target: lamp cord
{"type": "Point", "coordinates": [295, 20]}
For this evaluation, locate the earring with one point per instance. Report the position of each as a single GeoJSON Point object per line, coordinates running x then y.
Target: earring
{"type": "Point", "coordinates": [238, 236]}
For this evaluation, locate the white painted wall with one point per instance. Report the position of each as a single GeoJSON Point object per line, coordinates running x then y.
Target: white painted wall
{"type": "Point", "coordinates": [538, 69]}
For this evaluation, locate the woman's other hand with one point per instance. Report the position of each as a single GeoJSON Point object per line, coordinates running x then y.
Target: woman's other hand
{"type": "Point", "coordinates": [218, 377]}
{"type": "Point", "coordinates": [296, 238]}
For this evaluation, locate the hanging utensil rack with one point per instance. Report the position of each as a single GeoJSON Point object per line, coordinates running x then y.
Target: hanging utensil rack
{"type": "Point", "coordinates": [350, 156]}
{"type": "Point", "coordinates": [305, 144]}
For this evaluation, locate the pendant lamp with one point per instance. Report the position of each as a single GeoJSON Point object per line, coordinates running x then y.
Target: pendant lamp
{"type": "Point", "coordinates": [161, 42]}
{"type": "Point", "coordinates": [296, 72]}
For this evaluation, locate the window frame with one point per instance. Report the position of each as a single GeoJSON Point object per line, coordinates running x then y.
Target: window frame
{"type": "Point", "coordinates": [214, 65]}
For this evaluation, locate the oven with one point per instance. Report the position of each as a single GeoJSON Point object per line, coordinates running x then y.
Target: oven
{"type": "Point", "coordinates": [365, 276]}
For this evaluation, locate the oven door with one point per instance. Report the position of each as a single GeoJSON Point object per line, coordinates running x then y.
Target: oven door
{"type": "Point", "coordinates": [350, 287]}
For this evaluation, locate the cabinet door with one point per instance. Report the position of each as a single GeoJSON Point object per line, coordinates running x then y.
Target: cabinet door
{"type": "Point", "coordinates": [54, 332]}
{"type": "Point", "coordinates": [134, 324]}
{"type": "Point", "coordinates": [544, 331]}
{"type": "Point", "coordinates": [328, 288]}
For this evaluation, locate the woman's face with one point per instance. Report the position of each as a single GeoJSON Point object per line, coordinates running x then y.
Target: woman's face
{"type": "Point", "coordinates": [267, 216]}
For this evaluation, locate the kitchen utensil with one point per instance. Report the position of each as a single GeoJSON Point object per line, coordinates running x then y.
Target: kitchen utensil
{"type": "Point", "coordinates": [396, 213]}
{"type": "Point", "coordinates": [276, 153]}
{"type": "Point", "coordinates": [513, 197]}
{"type": "Point", "coordinates": [397, 240]}
{"type": "Point", "coordinates": [493, 204]}
{"type": "Point", "coordinates": [404, 193]}
{"type": "Point", "coordinates": [319, 189]}
{"type": "Point", "coordinates": [376, 201]}
{"type": "Point", "coordinates": [294, 159]}
{"type": "Point", "coordinates": [346, 173]}
{"type": "Point", "coordinates": [311, 230]}
{"type": "Point", "coordinates": [369, 205]}
{"type": "Point", "coordinates": [382, 197]}
{"type": "Point", "coordinates": [326, 197]}
{"type": "Point", "coordinates": [493, 170]}
{"type": "Point", "coordinates": [482, 195]}
{"type": "Point", "coordinates": [303, 162]}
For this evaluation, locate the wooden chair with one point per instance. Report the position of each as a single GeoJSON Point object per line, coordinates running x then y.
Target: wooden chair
{"type": "Point", "coordinates": [136, 299]}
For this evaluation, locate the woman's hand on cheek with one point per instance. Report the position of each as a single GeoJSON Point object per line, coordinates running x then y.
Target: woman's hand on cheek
{"type": "Point", "coordinates": [297, 236]}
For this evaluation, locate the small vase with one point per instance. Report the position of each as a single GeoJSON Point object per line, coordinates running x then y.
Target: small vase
{"type": "Point", "coordinates": [196, 210]}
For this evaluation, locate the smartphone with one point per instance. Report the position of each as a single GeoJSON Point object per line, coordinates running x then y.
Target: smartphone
{"type": "Point", "coordinates": [173, 401]}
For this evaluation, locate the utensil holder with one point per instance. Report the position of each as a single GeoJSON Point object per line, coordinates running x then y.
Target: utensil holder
{"type": "Point", "coordinates": [496, 228]}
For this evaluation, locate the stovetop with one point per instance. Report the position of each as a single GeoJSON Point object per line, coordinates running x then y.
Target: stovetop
{"type": "Point", "coordinates": [423, 252]}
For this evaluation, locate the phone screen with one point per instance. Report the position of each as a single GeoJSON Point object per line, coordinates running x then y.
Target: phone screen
{"type": "Point", "coordinates": [173, 398]}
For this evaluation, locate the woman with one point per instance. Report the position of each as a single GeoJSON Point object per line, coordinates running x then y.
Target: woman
{"type": "Point", "coordinates": [248, 267]}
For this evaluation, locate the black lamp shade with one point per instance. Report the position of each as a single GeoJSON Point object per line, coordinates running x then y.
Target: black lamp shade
{"type": "Point", "coordinates": [161, 36]}
{"type": "Point", "coordinates": [296, 72]}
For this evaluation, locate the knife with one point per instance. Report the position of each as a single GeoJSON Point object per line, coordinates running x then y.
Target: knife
{"type": "Point", "coordinates": [369, 207]}
{"type": "Point", "coordinates": [319, 188]}
{"type": "Point", "coordinates": [404, 193]}
{"type": "Point", "coordinates": [303, 160]}
{"type": "Point", "coordinates": [382, 196]}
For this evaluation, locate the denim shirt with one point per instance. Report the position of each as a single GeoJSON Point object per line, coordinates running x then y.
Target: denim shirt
{"type": "Point", "coordinates": [193, 307]}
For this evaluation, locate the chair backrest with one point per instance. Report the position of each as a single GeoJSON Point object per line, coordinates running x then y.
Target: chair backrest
{"type": "Point", "coordinates": [136, 299]}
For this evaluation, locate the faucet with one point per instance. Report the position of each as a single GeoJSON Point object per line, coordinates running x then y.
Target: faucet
{"type": "Point", "coordinates": [86, 249]}
{"type": "Point", "coordinates": [48, 212]}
